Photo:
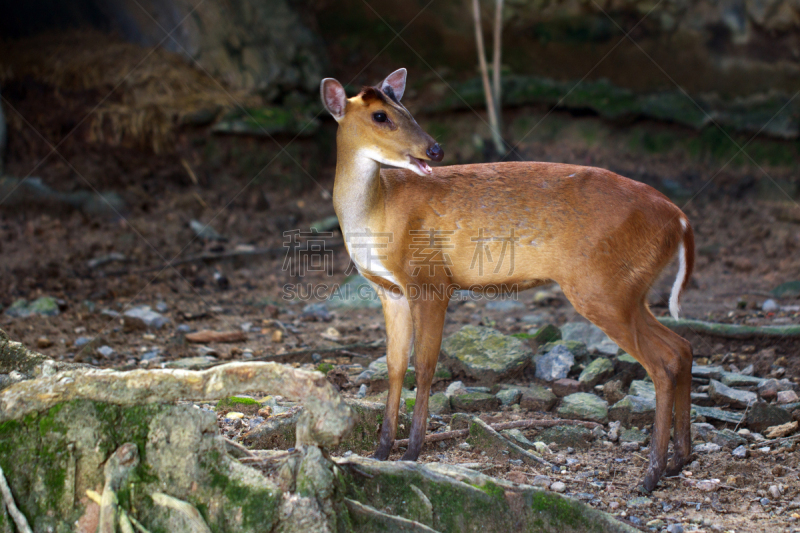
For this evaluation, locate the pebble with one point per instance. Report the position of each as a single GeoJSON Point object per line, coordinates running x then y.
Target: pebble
{"type": "Point", "coordinates": [234, 415]}
{"type": "Point", "coordinates": [82, 341]}
{"type": "Point", "coordinates": [787, 396]}
{"type": "Point", "coordinates": [769, 306]}
{"type": "Point", "coordinates": [184, 328]}
{"type": "Point", "coordinates": [707, 485]}
{"type": "Point", "coordinates": [362, 391]}
{"type": "Point", "coordinates": [541, 481]}
{"type": "Point", "coordinates": [674, 528]}
{"type": "Point", "coordinates": [708, 447]}
{"type": "Point", "coordinates": [148, 317]}
{"type": "Point", "coordinates": [775, 492]}
{"type": "Point", "coordinates": [555, 364]}
{"type": "Point", "coordinates": [466, 446]}
{"type": "Point", "coordinates": [764, 501]}
{"type": "Point", "coordinates": [106, 351]}
{"type": "Point", "coordinates": [558, 486]}
{"type": "Point", "coordinates": [613, 505]}
{"type": "Point", "coordinates": [740, 452]}
{"type": "Point", "coordinates": [454, 389]}
{"type": "Point", "coordinates": [43, 342]}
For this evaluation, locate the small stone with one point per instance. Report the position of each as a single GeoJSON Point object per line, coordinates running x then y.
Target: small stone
{"type": "Point", "coordinates": [598, 370]}
{"type": "Point", "coordinates": [474, 402]}
{"type": "Point", "coordinates": [106, 351]}
{"type": "Point", "coordinates": [558, 486]}
{"type": "Point", "coordinates": [566, 386]}
{"type": "Point", "coordinates": [516, 436]}
{"type": "Point", "coordinates": [541, 481]}
{"type": "Point", "coordinates": [466, 446]}
{"type": "Point", "coordinates": [613, 505]}
{"type": "Point", "coordinates": [567, 436]}
{"type": "Point", "coordinates": [655, 523]}
{"type": "Point", "coordinates": [555, 364]}
{"type": "Point", "coordinates": [316, 312]}
{"type": "Point", "coordinates": [43, 342]}
{"type": "Point", "coordinates": [82, 341]}
{"type": "Point", "coordinates": [738, 399]}
{"type": "Point", "coordinates": [783, 430]}
{"type": "Point", "coordinates": [703, 430]}
{"type": "Point", "coordinates": [740, 452]}
{"type": "Point", "coordinates": [674, 528]}
{"type": "Point", "coordinates": [44, 306]}
{"type": "Point", "coordinates": [584, 406]}
{"type": "Point", "coordinates": [454, 389]}
{"type": "Point", "coordinates": [277, 336]}
{"type": "Point", "coordinates": [708, 447]}
{"type": "Point", "coordinates": [770, 306]}
{"type": "Point", "coordinates": [768, 389]}
{"type": "Point", "coordinates": [775, 492]}
{"type": "Point", "coordinates": [613, 431]}
{"type": "Point", "coordinates": [764, 502]}
{"type": "Point", "coordinates": [638, 502]}
{"type": "Point", "coordinates": [536, 398]}
{"type": "Point", "coordinates": [634, 435]}
{"type": "Point", "coordinates": [362, 391]}
{"type": "Point", "coordinates": [786, 396]}
{"type": "Point", "coordinates": [612, 391]}
{"type": "Point", "coordinates": [642, 389]}
{"type": "Point", "coordinates": [707, 485]}
{"type": "Point", "coordinates": [728, 439]}
{"type": "Point", "coordinates": [707, 372]}
{"type": "Point", "coordinates": [735, 379]}
{"type": "Point", "coordinates": [233, 415]}
{"type": "Point", "coordinates": [509, 396]}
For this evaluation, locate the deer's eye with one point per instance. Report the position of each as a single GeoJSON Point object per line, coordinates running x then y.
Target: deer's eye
{"type": "Point", "coordinates": [380, 116]}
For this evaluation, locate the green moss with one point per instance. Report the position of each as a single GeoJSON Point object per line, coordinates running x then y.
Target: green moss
{"type": "Point", "coordinates": [492, 489]}
{"type": "Point", "coordinates": [410, 403]}
{"type": "Point", "coordinates": [324, 368]}
{"type": "Point", "coordinates": [562, 511]}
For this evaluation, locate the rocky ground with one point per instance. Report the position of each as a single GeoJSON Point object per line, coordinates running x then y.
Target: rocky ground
{"type": "Point", "coordinates": [196, 274]}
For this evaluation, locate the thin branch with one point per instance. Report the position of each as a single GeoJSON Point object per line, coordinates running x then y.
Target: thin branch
{"type": "Point", "coordinates": [19, 519]}
{"type": "Point", "coordinates": [459, 433]}
{"type": "Point", "coordinates": [498, 47]}
{"type": "Point", "coordinates": [490, 108]}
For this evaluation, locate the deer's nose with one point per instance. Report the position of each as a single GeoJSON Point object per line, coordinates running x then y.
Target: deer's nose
{"type": "Point", "coordinates": [435, 152]}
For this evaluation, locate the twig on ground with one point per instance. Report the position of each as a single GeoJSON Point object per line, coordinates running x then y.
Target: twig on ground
{"type": "Point", "coordinates": [731, 331]}
{"type": "Point", "coordinates": [19, 519]}
{"type": "Point", "coordinates": [459, 433]}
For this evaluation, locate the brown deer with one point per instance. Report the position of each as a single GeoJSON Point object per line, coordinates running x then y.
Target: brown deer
{"type": "Point", "coordinates": [602, 237]}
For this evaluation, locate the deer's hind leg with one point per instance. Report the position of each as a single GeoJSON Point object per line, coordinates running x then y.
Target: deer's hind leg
{"type": "Point", "coordinates": [667, 358]}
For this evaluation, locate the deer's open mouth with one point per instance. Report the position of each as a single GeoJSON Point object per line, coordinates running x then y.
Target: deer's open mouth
{"type": "Point", "coordinates": [422, 165]}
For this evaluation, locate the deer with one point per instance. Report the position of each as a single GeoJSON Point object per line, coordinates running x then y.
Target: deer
{"type": "Point", "coordinates": [602, 237]}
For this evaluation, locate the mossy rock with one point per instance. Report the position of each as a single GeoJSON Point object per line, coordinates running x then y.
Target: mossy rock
{"type": "Point", "coordinates": [53, 457]}
{"type": "Point", "coordinates": [485, 354]}
{"type": "Point", "coordinates": [567, 437]}
{"type": "Point", "coordinates": [248, 406]}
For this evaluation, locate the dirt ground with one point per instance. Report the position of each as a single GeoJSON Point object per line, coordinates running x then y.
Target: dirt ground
{"type": "Point", "coordinates": [748, 242]}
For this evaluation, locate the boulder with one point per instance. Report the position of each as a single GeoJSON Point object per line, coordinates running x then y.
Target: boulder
{"type": "Point", "coordinates": [738, 399]}
{"type": "Point", "coordinates": [762, 415]}
{"type": "Point", "coordinates": [509, 396]}
{"type": "Point", "coordinates": [584, 406]}
{"type": "Point", "coordinates": [485, 354]}
{"type": "Point", "coordinates": [597, 371]}
{"type": "Point", "coordinates": [475, 402]}
{"type": "Point", "coordinates": [567, 436]}
{"type": "Point", "coordinates": [633, 410]}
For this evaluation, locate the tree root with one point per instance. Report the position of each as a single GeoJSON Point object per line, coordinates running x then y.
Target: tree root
{"type": "Point", "coordinates": [8, 499]}
{"type": "Point", "coordinates": [731, 331]}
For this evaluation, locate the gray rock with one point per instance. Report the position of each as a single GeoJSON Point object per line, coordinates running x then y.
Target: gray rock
{"type": "Point", "coordinates": [708, 447]}
{"type": "Point", "coordinates": [715, 413]}
{"type": "Point", "coordinates": [612, 391]}
{"type": "Point", "coordinates": [567, 437]}
{"type": "Point", "coordinates": [634, 435]}
{"type": "Point", "coordinates": [82, 341]}
{"type": "Point", "coordinates": [555, 364]}
{"type": "Point", "coordinates": [593, 337]}
{"type": "Point", "coordinates": [613, 431]}
{"type": "Point", "coordinates": [597, 371]}
{"type": "Point", "coordinates": [584, 406]}
{"type": "Point", "coordinates": [740, 452]}
{"type": "Point", "coordinates": [769, 306]}
{"type": "Point", "coordinates": [148, 318]}
{"type": "Point", "coordinates": [455, 388]}
{"type": "Point", "coordinates": [786, 397]}
{"type": "Point", "coordinates": [734, 379]}
{"type": "Point", "coordinates": [738, 399]}
{"type": "Point", "coordinates": [762, 415]}
{"type": "Point", "coordinates": [633, 410]}
{"type": "Point", "coordinates": [362, 392]}
{"type": "Point", "coordinates": [106, 351]}
{"type": "Point", "coordinates": [354, 293]}
{"type": "Point", "coordinates": [205, 231]}
{"type": "Point", "coordinates": [485, 354]}
{"type": "Point", "coordinates": [566, 386]}
{"type": "Point", "coordinates": [703, 431]}
{"type": "Point", "coordinates": [44, 306]}
{"type": "Point", "coordinates": [643, 389]}
{"type": "Point", "coordinates": [509, 396]}
{"type": "Point", "coordinates": [536, 398]}
{"type": "Point", "coordinates": [516, 436]}
{"type": "Point", "coordinates": [161, 307]}
{"type": "Point", "coordinates": [768, 389]}
{"type": "Point", "coordinates": [541, 481]}
{"type": "Point", "coordinates": [707, 372]}
{"type": "Point", "coordinates": [474, 402]}
{"type": "Point", "coordinates": [439, 404]}
{"type": "Point", "coordinates": [728, 439]}
{"type": "Point", "coordinates": [674, 528]}
{"type": "Point", "coordinates": [702, 398]}
{"type": "Point", "coordinates": [558, 486]}
{"type": "Point", "coordinates": [639, 501]}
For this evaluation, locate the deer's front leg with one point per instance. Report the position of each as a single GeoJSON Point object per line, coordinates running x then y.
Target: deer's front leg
{"type": "Point", "coordinates": [428, 318]}
{"type": "Point", "coordinates": [399, 340]}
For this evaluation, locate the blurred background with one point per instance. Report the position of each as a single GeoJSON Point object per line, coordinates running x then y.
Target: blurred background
{"type": "Point", "coordinates": [155, 152]}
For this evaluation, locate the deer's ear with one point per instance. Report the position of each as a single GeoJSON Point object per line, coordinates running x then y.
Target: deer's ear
{"type": "Point", "coordinates": [333, 97]}
{"type": "Point", "coordinates": [396, 81]}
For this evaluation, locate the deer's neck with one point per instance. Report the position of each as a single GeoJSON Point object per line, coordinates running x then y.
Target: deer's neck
{"type": "Point", "coordinates": [357, 193]}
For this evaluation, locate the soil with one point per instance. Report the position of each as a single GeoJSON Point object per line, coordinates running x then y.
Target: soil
{"type": "Point", "coordinates": [747, 244]}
